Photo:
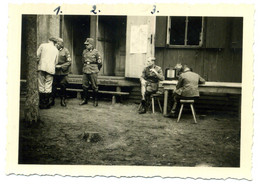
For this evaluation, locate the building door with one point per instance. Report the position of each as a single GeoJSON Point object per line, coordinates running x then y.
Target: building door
{"type": "Point", "coordinates": [75, 30]}
{"type": "Point", "coordinates": [139, 43]}
{"type": "Point", "coordinates": [111, 39]}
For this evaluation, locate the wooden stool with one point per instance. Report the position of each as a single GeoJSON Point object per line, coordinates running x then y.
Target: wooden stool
{"type": "Point", "coordinates": [191, 106]}
{"type": "Point", "coordinates": [154, 97]}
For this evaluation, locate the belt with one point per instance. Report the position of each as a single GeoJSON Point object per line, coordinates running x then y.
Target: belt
{"type": "Point", "coordinates": [88, 63]}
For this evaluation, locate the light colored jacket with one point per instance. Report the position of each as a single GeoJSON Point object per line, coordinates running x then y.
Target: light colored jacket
{"type": "Point", "coordinates": [47, 55]}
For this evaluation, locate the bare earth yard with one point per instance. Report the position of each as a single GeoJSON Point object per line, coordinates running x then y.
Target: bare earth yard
{"type": "Point", "coordinates": [128, 138]}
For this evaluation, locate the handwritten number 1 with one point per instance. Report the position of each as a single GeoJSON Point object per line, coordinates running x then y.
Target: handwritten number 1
{"type": "Point", "coordinates": [57, 10]}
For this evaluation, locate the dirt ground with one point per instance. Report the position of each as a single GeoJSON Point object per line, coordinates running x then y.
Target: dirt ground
{"type": "Point", "coordinates": [128, 138]}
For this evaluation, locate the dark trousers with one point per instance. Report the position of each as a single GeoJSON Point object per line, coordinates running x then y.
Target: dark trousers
{"type": "Point", "coordinates": [62, 82]}
{"type": "Point", "coordinates": [177, 98]}
{"type": "Point", "coordinates": [90, 80]}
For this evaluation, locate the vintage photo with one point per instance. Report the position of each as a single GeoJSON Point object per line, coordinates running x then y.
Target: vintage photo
{"type": "Point", "coordinates": [154, 90]}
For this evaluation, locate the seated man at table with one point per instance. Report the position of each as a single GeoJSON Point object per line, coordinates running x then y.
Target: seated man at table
{"type": "Point", "coordinates": [150, 78]}
{"type": "Point", "coordinates": [186, 88]}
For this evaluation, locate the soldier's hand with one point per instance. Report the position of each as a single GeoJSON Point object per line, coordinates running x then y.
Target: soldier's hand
{"type": "Point", "coordinates": [58, 66]}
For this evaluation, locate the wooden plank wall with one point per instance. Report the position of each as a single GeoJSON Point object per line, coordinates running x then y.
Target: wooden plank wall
{"type": "Point", "coordinates": [220, 58]}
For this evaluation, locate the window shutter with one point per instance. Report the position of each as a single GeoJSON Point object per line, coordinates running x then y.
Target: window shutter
{"type": "Point", "coordinates": [161, 31]}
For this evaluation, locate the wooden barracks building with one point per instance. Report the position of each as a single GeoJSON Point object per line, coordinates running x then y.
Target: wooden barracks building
{"type": "Point", "coordinates": [211, 46]}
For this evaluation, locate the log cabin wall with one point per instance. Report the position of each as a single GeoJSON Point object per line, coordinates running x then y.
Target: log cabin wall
{"type": "Point", "coordinates": [219, 58]}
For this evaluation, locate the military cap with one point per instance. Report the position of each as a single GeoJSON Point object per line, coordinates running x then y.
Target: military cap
{"type": "Point", "coordinates": [89, 41]}
{"type": "Point", "coordinates": [151, 58]}
{"type": "Point", "coordinates": [60, 42]}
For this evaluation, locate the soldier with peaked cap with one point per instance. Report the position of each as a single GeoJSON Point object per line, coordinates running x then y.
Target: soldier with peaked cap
{"type": "Point", "coordinates": [150, 78]}
{"type": "Point", "coordinates": [91, 66]}
{"type": "Point", "coordinates": [61, 72]}
{"type": "Point", "coordinates": [47, 58]}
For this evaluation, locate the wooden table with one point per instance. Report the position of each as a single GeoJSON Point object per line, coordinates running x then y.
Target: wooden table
{"type": "Point", "coordinates": [209, 87]}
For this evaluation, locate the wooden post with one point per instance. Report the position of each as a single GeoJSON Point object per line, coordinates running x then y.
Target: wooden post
{"type": "Point", "coordinates": [118, 89]}
{"type": "Point", "coordinates": [165, 102]}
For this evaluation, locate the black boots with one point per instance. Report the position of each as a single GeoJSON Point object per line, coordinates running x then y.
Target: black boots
{"type": "Point", "coordinates": [44, 100]}
{"type": "Point", "coordinates": [95, 98]}
{"type": "Point", "coordinates": [52, 100]}
{"type": "Point", "coordinates": [174, 111]}
{"type": "Point", "coordinates": [62, 102]}
{"type": "Point", "coordinates": [85, 98]}
{"type": "Point", "coordinates": [142, 109]}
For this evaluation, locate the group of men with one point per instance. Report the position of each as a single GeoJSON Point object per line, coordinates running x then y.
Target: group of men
{"type": "Point", "coordinates": [54, 63]}
{"type": "Point", "coordinates": [186, 88]}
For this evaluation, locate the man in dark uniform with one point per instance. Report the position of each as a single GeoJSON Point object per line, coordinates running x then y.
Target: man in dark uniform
{"type": "Point", "coordinates": [61, 73]}
{"type": "Point", "coordinates": [186, 88]}
{"type": "Point", "coordinates": [91, 66]}
{"type": "Point", "coordinates": [150, 78]}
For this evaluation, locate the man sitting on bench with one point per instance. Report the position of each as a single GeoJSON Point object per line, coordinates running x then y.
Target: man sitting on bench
{"type": "Point", "coordinates": [150, 78]}
{"type": "Point", "coordinates": [186, 88]}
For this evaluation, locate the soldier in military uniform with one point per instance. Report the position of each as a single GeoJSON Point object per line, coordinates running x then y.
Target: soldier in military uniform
{"type": "Point", "coordinates": [61, 73]}
{"type": "Point", "coordinates": [91, 66]}
{"type": "Point", "coordinates": [150, 78]}
{"type": "Point", "coordinates": [186, 88]}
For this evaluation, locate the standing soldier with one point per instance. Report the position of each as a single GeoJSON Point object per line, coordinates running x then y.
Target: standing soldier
{"type": "Point", "coordinates": [91, 66]}
{"type": "Point", "coordinates": [47, 58]}
{"type": "Point", "coordinates": [61, 73]}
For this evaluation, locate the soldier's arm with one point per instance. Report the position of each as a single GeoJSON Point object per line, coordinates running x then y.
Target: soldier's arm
{"type": "Point", "coordinates": [179, 84]}
{"type": "Point", "coordinates": [99, 60]}
{"type": "Point", "coordinates": [201, 80]}
{"type": "Point", "coordinates": [160, 75]}
{"type": "Point", "coordinates": [67, 64]}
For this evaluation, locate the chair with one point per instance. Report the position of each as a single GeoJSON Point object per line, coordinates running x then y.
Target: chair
{"type": "Point", "coordinates": [190, 102]}
{"type": "Point", "coordinates": [154, 97]}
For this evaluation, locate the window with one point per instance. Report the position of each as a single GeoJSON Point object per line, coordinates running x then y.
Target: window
{"type": "Point", "coordinates": [185, 31]}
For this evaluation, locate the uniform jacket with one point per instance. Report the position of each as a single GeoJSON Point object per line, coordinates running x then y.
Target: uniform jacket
{"type": "Point", "coordinates": [65, 62]}
{"type": "Point", "coordinates": [151, 76]}
{"type": "Point", "coordinates": [187, 85]}
{"type": "Point", "coordinates": [47, 55]}
{"type": "Point", "coordinates": [91, 61]}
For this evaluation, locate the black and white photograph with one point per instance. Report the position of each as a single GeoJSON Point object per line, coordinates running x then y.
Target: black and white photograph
{"type": "Point", "coordinates": [154, 90]}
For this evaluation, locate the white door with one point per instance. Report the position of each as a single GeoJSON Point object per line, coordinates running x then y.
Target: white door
{"type": "Point", "coordinates": [139, 43]}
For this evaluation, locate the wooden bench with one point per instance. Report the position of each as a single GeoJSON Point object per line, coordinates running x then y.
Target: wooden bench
{"type": "Point", "coordinates": [113, 93]}
{"type": "Point", "coordinates": [208, 87]}
{"type": "Point", "coordinates": [107, 81]}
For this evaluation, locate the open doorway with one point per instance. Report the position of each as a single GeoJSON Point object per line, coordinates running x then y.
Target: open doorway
{"type": "Point", "coordinates": [75, 31]}
{"type": "Point", "coordinates": [111, 43]}
{"type": "Point", "coordinates": [110, 37]}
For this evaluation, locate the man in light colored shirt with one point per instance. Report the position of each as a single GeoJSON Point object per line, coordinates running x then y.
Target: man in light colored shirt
{"type": "Point", "coordinates": [47, 57]}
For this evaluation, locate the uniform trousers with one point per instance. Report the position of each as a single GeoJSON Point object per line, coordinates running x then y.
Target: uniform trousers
{"type": "Point", "coordinates": [90, 80]}
{"type": "Point", "coordinates": [62, 82]}
{"type": "Point", "coordinates": [45, 82]}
